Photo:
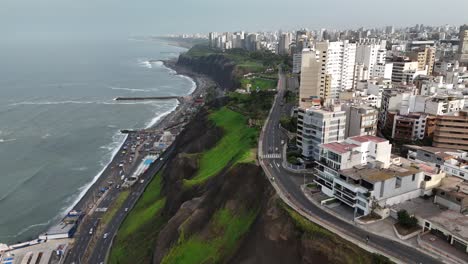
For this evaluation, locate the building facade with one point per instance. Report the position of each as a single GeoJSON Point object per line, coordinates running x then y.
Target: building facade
{"type": "Point", "coordinates": [318, 126]}
{"type": "Point", "coordinates": [451, 131]}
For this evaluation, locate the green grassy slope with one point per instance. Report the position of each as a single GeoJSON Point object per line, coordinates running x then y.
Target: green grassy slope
{"type": "Point", "coordinates": [136, 237]}
{"type": "Point", "coordinates": [226, 229]}
{"type": "Point", "coordinates": [235, 146]}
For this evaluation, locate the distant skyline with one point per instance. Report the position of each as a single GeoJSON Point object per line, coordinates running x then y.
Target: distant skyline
{"type": "Point", "coordinates": [145, 17]}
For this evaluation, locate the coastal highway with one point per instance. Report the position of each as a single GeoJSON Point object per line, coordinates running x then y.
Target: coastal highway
{"type": "Point", "coordinates": [100, 249]}
{"type": "Point", "coordinates": [289, 186]}
{"type": "Point", "coordinates": [100, 246]}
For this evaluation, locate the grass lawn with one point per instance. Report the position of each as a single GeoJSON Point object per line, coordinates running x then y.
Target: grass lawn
{"type": "Point", "coordinates": [234, 147]}
{"type": "Point", "coordinates": [260, 83]}
{"type": "Point", "coordinates": [114, 207]}
{"type": "Point", "coordinates": [136, 237]}
{"type": "Point", "coordinates": [327, 243]}
{"type": "Point", "coordinates": [228, 229]}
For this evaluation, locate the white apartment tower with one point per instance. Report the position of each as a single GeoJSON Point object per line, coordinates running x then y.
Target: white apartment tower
{"type": "Point", "coordinates": [370, 53]}
{"type": "Point", "coordinates": [316, 126]}
{"type": "Point", "coordinates": [340, 66]}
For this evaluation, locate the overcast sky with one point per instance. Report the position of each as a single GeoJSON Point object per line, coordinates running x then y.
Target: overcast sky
{"type": "Point", "coordinates": [140, 17]}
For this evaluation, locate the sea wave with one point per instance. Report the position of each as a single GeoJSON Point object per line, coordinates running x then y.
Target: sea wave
{"type": "Point", "coordinates": [2, 140]}
{"type": "Point", "coordinates": [26, 229]}
{"type": "Point", "coordinates": [113, 102]}
{"type": "Point", "coordinates": [119, 140]}
{"type": "Point", "coordinates": [20, 184]}
{"type": "Point", "coordinates": [128, 89]}
{"type": "Point", "coordinates": [145, 63]}
{"type": "Point", "coordinates": [194, 84]}
{"type": "Point", "coordinates": [79, 169]}
{"type": "Point", "coordinates": [155, 120]}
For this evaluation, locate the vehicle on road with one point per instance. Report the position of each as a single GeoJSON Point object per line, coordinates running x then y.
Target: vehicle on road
{"type": "Point", "coordinates": [106, 235]}
{"type": "Point", "coordinates": [282, 142]}
{"type": "Point", "coordinates": [142, 181]}
{"type": "Point", "coordinates": [272, 178]}
{"type": "Point", "coordinates": [118, 186]}
{"type": "Point", "coordinates": [126, 209]}
{"type": "Point", "coordinates": [91, 231]}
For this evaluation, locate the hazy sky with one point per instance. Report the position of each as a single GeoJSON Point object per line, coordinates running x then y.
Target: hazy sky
{"type": "Point", "coordinates": [178, 16]}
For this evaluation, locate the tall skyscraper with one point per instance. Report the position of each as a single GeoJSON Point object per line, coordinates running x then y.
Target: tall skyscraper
{"type": "Point", "coordinates": [370, 53]}
{"type": "Point", "coordinates": [340, 66]}
{"type": "Point", "coordinates": [283, 43]}
{"type": "Point", "coordinates": [313, 75]}
{"type": "Point", "coordinates": [463, 46]}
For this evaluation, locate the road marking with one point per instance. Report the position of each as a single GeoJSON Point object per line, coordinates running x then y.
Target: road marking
{"type": "Point", "coordinates": [271, 156]}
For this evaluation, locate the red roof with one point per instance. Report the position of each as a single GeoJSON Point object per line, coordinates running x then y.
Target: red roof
{"type": "Point", "coordinates": [368, 138]}
{"type": "Point", "coordinates": [338, 147]}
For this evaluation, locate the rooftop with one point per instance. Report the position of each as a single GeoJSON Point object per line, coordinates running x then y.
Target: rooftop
{"type": "Point", "coordinates": [339, 147]}
{"type": "Point", "coordinates": [441, 152]}
{"type": "Point", "coordinates": [377, 175]}
{"type": "Point", "coordinates": [455, 186]}
{"type": "Point", "coordinates": [368, 138]}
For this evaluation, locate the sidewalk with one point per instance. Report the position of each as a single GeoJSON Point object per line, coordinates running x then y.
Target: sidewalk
{"type": "Point", "coordinates": [382, 228]}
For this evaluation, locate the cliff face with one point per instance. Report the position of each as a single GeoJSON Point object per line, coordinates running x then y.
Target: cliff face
{"type": "Point", "coordinates": [274, 234]}
{"type": "Point", "coordinates": [218, 67]}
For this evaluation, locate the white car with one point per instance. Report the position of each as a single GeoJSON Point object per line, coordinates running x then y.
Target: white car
{"type": "Point", "coordinates": [126, 209]}
{"type": "Point", "coordinates": [106, 235]}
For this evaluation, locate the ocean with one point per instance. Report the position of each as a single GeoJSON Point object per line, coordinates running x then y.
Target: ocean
{"type": "Point", "coordinates": [59, 124]}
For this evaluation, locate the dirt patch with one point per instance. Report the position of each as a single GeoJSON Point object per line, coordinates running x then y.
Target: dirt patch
{"type": "Point", "coordinates": [403, 231]}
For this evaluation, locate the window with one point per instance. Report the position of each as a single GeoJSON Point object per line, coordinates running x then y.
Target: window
{"type": "Point", "coordinates": [397, 183]}
{"type": "Point", "coordinates": [413, 177]}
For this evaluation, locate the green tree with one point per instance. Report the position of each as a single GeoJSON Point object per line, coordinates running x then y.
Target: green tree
{"type": "Point", "coordinates": [405, 220]}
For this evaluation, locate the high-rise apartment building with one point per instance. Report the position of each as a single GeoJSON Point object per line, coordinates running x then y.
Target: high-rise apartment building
{"type": "Point", "coordinates": [463, 46]}
{"type": "Point", "coordinates": [317, 126]}
{"type": "Point", "coordinates": [340, 65]}
{"type": "Point", "coordinates": [425, 56]}
{"type": "Point", "coordinates": [361, 120]}
{"type": "Point", "coordinates": [451, 131]}
{"type": "Point", "coordinates": [283, 43]}
{"type": "Point", "coordinates": [327, 69]}
{"type": "Point", "coordinates": [370, 53]}
{"type": "Point", "coordinates": [314, 81]}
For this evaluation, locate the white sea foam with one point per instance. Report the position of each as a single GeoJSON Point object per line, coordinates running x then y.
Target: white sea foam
{"type": "Point", "coordinates": [128, 89]}
{"type": "Point", "coordinates": [146, 64]}
{"type": "Point", "coordinates": [45, 136]}
{"type": "Point", "coordinates": [194, 84]}
{"type": "Point", "coordinates": [80, 169]}
{"type": "Point", "coordinates": [2, 140]}
{"type": "Point", "coordinates": [117, 144]}
{"type": "Point", "coordinates": [155, 120]}
{"type": "Point", "coordinates": [26, 229]}
{"type": "Point", "coordinates": [113, 102]}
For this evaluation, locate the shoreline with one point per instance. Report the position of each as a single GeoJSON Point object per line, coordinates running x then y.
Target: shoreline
{"type": "Point", "coordinates": [88, 191]}
{"type": "Point", "coordinates": [200, 84]}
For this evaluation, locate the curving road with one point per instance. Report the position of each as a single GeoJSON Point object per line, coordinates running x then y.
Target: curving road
{"type": "Point", "coordinates": [288, 186]}
{"type": "Point", "coordinates": [97, 253]}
